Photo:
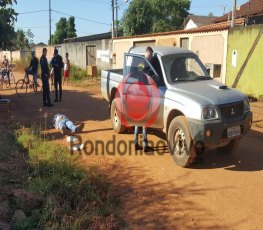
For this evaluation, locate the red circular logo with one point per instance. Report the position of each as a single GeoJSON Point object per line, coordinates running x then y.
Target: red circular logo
{"type": "Point", "coordinates": [138, 100]}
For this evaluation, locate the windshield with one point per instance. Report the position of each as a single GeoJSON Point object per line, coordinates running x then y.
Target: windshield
{"type": "Point", "coordinates": [184, 68]}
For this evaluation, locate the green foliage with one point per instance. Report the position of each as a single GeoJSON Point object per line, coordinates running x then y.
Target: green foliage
{"type": "Point", "coordinates": [137, 19]}
{"type": "Point", "coordinates": [152, 16]}
{"type": "Point", "coordinates": [77, 73]}
{"type": "Point", "coordinates": [64, 29]}
{"type": "Point", "coordinates": [21, 64]}
{"type": "Point", "coordinates": [20, 41]}
{"type": "Point", "coordinates": [74, 194]}
{"type": "Point", "coordinates": [71, 31]}
{"type": "Point", "coordinates": [7, 19]}
{"type": "Point", "coordinates": [29, 36]}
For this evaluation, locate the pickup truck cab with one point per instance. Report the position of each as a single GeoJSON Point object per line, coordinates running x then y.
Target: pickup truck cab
{"type": "Point", "coordinates": [195, 112]}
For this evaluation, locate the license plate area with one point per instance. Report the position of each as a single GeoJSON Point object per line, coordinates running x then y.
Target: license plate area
{"type": "Point", "coordinates": [233, 131]}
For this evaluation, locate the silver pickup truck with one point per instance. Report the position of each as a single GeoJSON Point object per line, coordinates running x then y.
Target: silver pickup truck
{"type": "Point", "coordinates": [195, 112]}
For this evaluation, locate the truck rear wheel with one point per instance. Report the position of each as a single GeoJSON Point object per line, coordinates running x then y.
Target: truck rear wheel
{"type": "Point", "coordinates": [115, 120]}
{"type": "Point", "coordinates": [180, 142]}
{"type": "Point", "coordinates": [230, 148]}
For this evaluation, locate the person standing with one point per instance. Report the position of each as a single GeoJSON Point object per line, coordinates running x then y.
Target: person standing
{"type": "Point", "coordinates": [66, 70]}
{"type": "Point", "coordinates": [146, 148]}
{"type": "Point", "coordinates": [33, 67]}
{"type": "Point", "coordinates": [57, 64]}
{"type": "Point", "coordinates": [6, 65]}
{"type": "Point", "coordinates": [44, 78]}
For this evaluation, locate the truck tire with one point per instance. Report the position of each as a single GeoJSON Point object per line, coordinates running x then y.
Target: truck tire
{"type": "Point", "coordinates": [117, 126]}
{"type": "Point", "coordinates": [180, 142]}
{"type": "Point", "coordinates": [230, 148]}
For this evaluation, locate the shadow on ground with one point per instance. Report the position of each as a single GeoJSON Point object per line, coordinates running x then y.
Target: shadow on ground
{"type": "Point", "coordinates": [147, 204]}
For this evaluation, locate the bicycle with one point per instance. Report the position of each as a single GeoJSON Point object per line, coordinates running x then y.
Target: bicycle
{"type": "Point", "coordinates": [5, 80]}
{"type": "Point", "coordinates": [22, 86]}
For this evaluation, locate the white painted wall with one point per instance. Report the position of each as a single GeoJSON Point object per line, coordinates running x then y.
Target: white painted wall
{"type": "Point", "coordinates": [190, 25]}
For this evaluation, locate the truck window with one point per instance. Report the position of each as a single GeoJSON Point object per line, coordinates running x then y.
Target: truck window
{"type": "Point", "coordinates": [184, 68]}
{"type": "Point", "coordinates": [137, 68]}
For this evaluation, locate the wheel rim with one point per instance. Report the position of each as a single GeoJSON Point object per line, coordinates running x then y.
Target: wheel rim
{"type": "Point", "coordinates": [179, 143]}
{"type": "Point", "coordinates": [21, 88]}
{"type": "Point", "coordinates": [116, 119]}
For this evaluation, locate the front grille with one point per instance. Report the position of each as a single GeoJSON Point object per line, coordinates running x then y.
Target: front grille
{"type": "Point", "coordinates": [232, 110]}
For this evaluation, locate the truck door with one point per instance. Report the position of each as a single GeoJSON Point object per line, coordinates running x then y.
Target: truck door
{"type": "Point", "coordinates": [142, 98]}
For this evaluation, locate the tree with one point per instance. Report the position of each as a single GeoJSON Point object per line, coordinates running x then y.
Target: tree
{"type": "Point", "coordinates": [169, 14]}
{"type": "Point", "coordinates": [137, 18]}
{"type": "Point", "coordinates": [61, 31]}
{"type": "Point", "coordinates": [64, 29]}
{"type": "Point", "coordinates": [7, 19]}
{"type": "Point", "coordinates": [71, 31]}
{"type": "Point", "coordinates": [29, 36]}
{"type": "Point", "coordinates": [152, 16]}
{"type": "Point", "coordinates": [211, 14]}
{"type": "Point", "coordinates": [20, 41]}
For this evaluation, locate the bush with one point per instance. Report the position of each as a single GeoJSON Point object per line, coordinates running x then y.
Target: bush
{"type": "Point", "coordinates": [74, 195]}
{"type": "Point", "coordinates": [21, 64]}
{"type": "Point", "coordinates": [77, 73]}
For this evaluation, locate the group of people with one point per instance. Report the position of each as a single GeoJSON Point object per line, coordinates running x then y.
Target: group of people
{"type": "Point", "coordinates": [54, 69]}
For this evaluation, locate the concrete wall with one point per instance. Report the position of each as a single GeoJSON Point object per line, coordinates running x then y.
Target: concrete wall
{"type": "Point", "coordinates": [17, 54]}
{"type": "Point", "coordinates": [241, 39]}
{"type": "Point", "coordinates": [211, 47]}
{"type": "Point", "coordinates": [50, 51]}
{"type": "Point", "coordinates": [6, 53]}
{"type": "Point", "coordinates": [78, 54]}
{"type": "Point", "coordinates": [190, 24]}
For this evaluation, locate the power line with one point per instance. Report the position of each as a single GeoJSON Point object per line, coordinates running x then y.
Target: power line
{"type": "Point", "coordinates": [32, 12]}
{"type": "Point", "coordinates": [33, 27]}
{"type": "Point", "coordinates": [84, 19]}
{"type": "Point", "coordinates": [97, 2]}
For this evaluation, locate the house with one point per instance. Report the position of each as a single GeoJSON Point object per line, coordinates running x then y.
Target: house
{"type": "Point", "coordinates": [250, 13]}
{"type": "Point", "coordinates": [92, 50]}
{"type": "Point", "coordinates": [208, 42]}
{"type": "Point", "coordinates": [193, 21]}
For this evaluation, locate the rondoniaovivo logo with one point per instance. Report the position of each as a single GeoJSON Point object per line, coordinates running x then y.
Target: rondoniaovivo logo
{"type": "Point", "coordinates": [138, 100]}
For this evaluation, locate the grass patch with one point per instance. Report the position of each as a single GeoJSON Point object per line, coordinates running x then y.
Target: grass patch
{"type": "Point", "coordinates": [79, 77]}
{"type": "Point", "coordinates": [77, 73]}
{"type": "Point", "coordinates": [74, 196]}
{"type": "Point", "coordinates": [21, 64]}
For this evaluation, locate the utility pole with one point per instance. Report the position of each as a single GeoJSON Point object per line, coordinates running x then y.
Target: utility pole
{"type": "Point", "coordinates": [234, 13]}
{"type": "Point", "coordinates": [50, 22]}
{"type": "Point", "coordinates": [116, 5]}
{"type": "Point", "coordinates": [112, 26]}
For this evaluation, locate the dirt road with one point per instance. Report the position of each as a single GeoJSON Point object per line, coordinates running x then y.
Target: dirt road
{"type": "Point", "coordinates": [219, 192]}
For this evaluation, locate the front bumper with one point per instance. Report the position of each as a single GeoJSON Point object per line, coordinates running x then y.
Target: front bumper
{"type": "Point", "coordinates": [218, 130]}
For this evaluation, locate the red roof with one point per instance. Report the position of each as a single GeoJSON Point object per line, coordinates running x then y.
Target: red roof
{"type": "Point", "coordinates": [201, 29]}
{"type": "Point", "coordinates": [254, 7]}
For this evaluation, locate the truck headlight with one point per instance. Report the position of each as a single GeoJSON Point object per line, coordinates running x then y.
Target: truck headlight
{"type": "Point", "coordinates": [246, 105]}
{"type": "Point", "coordinates": [209, 112]}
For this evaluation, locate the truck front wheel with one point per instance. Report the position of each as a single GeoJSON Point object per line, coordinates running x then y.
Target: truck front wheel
{"type": "Point", "coordinates": [180, 142]}
{"type": "Point", "coordinates": [115, 120]}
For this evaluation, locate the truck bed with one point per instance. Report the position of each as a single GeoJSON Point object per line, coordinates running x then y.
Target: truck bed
{"type": "Point", "coordinates": [110, 79]}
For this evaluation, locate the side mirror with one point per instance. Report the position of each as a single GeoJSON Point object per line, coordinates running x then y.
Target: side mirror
{"type": "Point", "coordinates": [208, 70]}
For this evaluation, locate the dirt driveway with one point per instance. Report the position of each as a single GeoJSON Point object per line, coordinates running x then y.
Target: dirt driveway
{"type": "Point", "coordinates": [219, 192]}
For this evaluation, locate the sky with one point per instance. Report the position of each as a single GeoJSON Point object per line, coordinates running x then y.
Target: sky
{"type": "Point", "coordinates": [91, 16]}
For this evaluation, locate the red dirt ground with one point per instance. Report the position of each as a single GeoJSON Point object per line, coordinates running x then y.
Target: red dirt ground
{"type": "Point", "coordinates": [222, 192]}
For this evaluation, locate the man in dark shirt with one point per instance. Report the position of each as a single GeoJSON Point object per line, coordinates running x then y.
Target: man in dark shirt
{"type": "Point", "coordinates": [57, 65]}
{"type": "Point", "coordinates": [33, 67]}
{"type": "Point", "coordinates": [44, 77]}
